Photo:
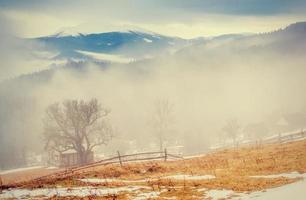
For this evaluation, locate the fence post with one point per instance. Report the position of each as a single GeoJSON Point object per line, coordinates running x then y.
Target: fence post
{"type": "Point", "coordinates": [120, 161]}
{"type": "Point", "coordinates": [166, 155]}
{"type": "Point", "coordinates": [0, 184]}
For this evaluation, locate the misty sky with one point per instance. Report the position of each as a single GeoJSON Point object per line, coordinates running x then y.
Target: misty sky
{"type": "Point", "coordinates": [183, 18]}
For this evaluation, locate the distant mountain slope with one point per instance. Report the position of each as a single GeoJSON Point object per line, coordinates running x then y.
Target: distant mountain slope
{"type": "Point", "coordinates": [289, 41]}
{"type": "Point", "coordinates": [130, 44]}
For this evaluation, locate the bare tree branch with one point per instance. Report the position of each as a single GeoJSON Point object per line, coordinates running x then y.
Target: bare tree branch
{"type": "Point", "coordinates": [77, 125]}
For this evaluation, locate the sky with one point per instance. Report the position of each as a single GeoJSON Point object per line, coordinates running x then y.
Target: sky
{"type": "Point", "coordinates": [181, 18]}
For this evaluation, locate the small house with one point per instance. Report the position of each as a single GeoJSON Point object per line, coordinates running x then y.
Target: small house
{"type": "Point", "coordinates": [70, 158]}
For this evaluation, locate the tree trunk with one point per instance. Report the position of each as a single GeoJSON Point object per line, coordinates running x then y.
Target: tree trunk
{"type": "Point", "coordinates": [82, 158]}
{"type": "Point", "coordinates": [82, 155]}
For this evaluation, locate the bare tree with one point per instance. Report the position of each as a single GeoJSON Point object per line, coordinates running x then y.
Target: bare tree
{"type": "Point", "coordinates": [162, 119]}
{"type": "Point", "coordinates": [232, 129]}
{"type": "Point", "coordinates": [76, 125]}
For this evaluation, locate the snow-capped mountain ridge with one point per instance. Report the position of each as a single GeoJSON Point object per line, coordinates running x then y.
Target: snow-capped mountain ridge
{"type": "Point", "coordinates": [135, 45]}
{"type": "Point", "coordinates": [128, 43]}
{"type": "Point", "coordinates": [66, 34]}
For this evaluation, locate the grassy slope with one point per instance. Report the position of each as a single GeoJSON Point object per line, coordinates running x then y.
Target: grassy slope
{"type": "Point", "coordinates": [232, 168]}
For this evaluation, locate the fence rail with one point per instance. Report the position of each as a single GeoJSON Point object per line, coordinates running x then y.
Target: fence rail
{"type": "Point", "coordinates": [277, 138]}
{"type": "Point", "coordinates": [121, 159]}
{"type": "Point", "coordinates": [280, 138]}
{"type": "Point", "coordinates": [286, 137]}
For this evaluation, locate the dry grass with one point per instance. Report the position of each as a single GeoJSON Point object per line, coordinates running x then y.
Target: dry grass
{"type": "Point", "coordinates": [107, 197]}
{"type": "Point", "coordinates": [231, 167]}
{"type": "Point", "coordinates": [27, 175]}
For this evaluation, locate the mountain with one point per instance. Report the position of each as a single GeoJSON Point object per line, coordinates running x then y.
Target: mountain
{"type": "Point", "coordinates": [289, 41]}
{"type": "Point", "coordinates": [110, 46]}
{"type": "Point", "coordinates": [296, 29]}
{"type": "Point", "coordinates": [136, 47]}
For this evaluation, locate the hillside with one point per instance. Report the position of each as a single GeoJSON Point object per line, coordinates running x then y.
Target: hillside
{"type": "Point", "coordinates": [256, 171]}
{"type": "Point", "coordinates": [289, 41]}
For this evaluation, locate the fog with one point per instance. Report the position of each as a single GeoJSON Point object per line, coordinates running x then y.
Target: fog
{"type": "Point", "coordinates": [17, 55]}
{"type": "Point", "coordinates": [207, 84]}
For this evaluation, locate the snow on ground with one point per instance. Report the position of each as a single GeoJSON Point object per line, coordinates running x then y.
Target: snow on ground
{"type": "Point", "coordinates": [177, 177]}
{"type": "Point", "coordinates": [296, 191]}
{"type": "Point", "coordinates": [155, 36]}
{"type": "Point", "coordinates": [62, 192]}
{"type": "Point", "coordinates": [20, 169]}
{"type": "Point", "coordinates": [286, 175]}
{"type": "Point", "coordinates": [147, 40]}
{"type": "Point", "coordinates": [147, 195]}
{"type": "Point", "coordinates": [219, 194]}
{"type": "Point", "coordinates": [110, 180]}
{"type": "Point", "coordinates": [189, 177]}
{"type": "Point", "coordinates": [52, 167]}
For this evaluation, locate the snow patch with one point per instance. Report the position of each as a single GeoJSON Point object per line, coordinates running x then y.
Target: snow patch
{"type": "Point", "coordinates": [52, 167]}
{"type": "Point", "coordinates": [219, 194]}
{"type": "Point", "coordinates": [286, 175]}
{"type": "Point", "coordinates": [155, 36]}
{"type": "Point", "coordinates": [189, 177]}
{"type": "Point", "coordinates": [110, 180]}
{"type": "Point", "coordinates": [177, 177]}
{"type": "Point", "coordinates": [147, 195]}
{"type": "Point", "coordinates": [147, 40]}
{"type": "Point", "coordinates": [66, 33]}
{"type": "Point", "coordinates": [106, 57]}
{"type": "Point", "coordinates": [63, 192]}
{"type": "Point", "coordinates": [294, 191]}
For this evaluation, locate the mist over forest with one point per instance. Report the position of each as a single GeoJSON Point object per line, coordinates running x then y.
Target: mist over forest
{"type": "Point", "coordinates": [254, 79]}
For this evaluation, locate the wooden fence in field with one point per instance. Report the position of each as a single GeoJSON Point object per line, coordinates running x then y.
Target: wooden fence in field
{"type": "Point", "coordinates": [119, 159]}
{"type": "Point", "coordinates": [277, 138]}
{"type": "Point", "coordinates": [286, 137]}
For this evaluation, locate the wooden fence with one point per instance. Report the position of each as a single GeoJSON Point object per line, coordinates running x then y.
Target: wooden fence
{"type": "Point", "coordinates": [286, 137]}
{"type": "Point", "coordinates": [119, 159]}
{"type": "Point", "coordinates": [277, 138]}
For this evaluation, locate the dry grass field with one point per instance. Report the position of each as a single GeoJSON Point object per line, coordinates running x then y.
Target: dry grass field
{"type": "Point", "coordinates": [193, 178]}
{"type": "Point", "coordinates": [26, 175]}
